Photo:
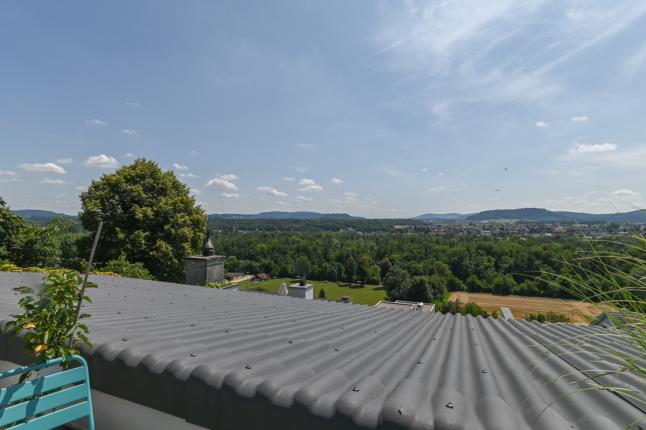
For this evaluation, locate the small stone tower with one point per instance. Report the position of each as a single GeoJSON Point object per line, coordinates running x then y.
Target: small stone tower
{"type": "Point", "coordinates": [200, 270]}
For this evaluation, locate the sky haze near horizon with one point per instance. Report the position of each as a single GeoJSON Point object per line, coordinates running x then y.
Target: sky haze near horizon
{"type": "Point", "coordinates": [374, 108]}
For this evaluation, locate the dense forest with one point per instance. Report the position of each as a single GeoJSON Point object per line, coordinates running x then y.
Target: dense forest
{"type": "Point", "coordinates": [409, 263]}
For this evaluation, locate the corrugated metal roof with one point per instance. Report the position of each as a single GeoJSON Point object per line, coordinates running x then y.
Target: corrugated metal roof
{"type": "Point", "coordinates": [228, 359]}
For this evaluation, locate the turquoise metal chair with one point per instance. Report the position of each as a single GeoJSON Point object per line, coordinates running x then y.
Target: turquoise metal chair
{"type": "Point", "coordinates": [48, 401]}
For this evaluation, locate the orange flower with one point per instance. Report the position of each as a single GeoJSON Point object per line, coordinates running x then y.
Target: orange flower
{"type": "Point", "coordinates": [29, 325]}
{"type": "Point", "coordinates": [40, 348]}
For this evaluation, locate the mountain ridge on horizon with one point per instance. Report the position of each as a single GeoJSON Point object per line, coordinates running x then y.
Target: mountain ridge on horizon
{"type": "Point", "coordinates": [520, 214]}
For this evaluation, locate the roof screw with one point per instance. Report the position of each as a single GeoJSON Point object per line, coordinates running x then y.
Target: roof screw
{"type": "Point", "coordinates": [226, 330]}
{"type": "Point", "coordinates": [118, 312]}
{"type": "Point", "coordinates": [449, 405]}
{"type": "Point", "coordinates": [341, 327]}
{"type": "Point", "coordinates": [248, 367]}
{"type": "Point", "coordinates": [483, 371]}
{"type": "Point", "coordinates": [355, 388]}
{"type": "Point", "coordinates": [376, 331]}
{"type": "Point", "coordinates": [399, 411]}
{"type": "Point", "coordinates": [419, 361]}
{"type": "Point", "coordinates": [290, 341]}
{"type": "Point", "coordinates": [192, 325]}
{"type": "Point", "coordinates": [337, 348]}
{"type": "Point", "coordinates": [193, 354]}
{"type": "Point", "coordinates": [124, 339]}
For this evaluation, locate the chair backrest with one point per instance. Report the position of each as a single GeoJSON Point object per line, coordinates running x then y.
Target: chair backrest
{"type": "Point", "coordinates": [47, 401]}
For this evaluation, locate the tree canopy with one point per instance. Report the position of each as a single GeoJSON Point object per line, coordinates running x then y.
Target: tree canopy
{"type": "Point", "coordinates": [149, 217]}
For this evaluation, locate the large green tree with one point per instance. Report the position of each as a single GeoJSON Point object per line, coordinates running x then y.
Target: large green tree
{"type": "Point", "coordinates": [12, 228]}
{"type": "Point", "coordinates": [149, 217]}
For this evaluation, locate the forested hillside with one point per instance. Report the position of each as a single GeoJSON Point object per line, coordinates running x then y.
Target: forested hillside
{"type": "Point", "coordinates": [510, 265]}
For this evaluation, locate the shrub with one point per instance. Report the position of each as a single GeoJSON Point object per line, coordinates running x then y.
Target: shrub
{"type": "Point", "coordinates": [49, 315]}
{"type": "Point", "coordinates": [125, 268]}
{"type": "Point", "coordinates": [551, 317]}
{"type": "Point", "coordinates": [457, 307]}
{"type": "Point", "coordinates": [322, 294]}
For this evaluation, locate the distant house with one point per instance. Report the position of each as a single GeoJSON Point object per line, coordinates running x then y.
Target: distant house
{"type": "Point", "coordinates": [261, 277]}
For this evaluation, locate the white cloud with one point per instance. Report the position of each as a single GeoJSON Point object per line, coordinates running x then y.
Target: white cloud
{"type": "Point", "coordinates": [64, 161]}
{"type": "Point", "coordinates": [440, 174]}
{"type": "Point", "coordinates": [624, 193]}
{"type": "Point", "coordinates": [627, 199]}
{"type": "Point", "coordinates": [303, 199]}
{"type": "Point", "coordinates": [301, 169]}
{"type": "Point", "coordinates": [305, 145]}
{"type": "Point", "coordinates": [337, 181]}
{"type": "Point", "coordinates": [542, 124]}
{"type": "Point", "coordinates": [178, 166]}
{"type": "Point", "coordinates": [43, 167]}
{"type": "Point", "coordinates": [231, 195]}
{"type": "Point", "coordinates": [424, 169]}
{"type": "Point", "coordinates": [7, 176]}
{"type": "Point", "coordinates": [101, 161]}
{"type": "Point", "coordinates": [52, 181]}
{"type": "Point", "coordinates": [579, 118]}
{"type": "Point", "coordinates": [350, 197]}
{"type": "Point", "coordinates": [130, 132]}
{"type": "Point", "coordinates": [224, 182]}
{"type": "Point", "coordinates": [309, 185]}
{"type": "Point", "coordinates": [636, 62]}
{"type": "Point", "coordinates": [195, 191]}
{"type": "Point", "coordinates": [586, 148]}
{"type": "Point", "coordinates": [80, 188]}
{"type": "Point", "coordinates": [194, 152]}
{"type": "Point", "coordinates": [438, 189]}
{"type": "Point", "coordinates": [96, 122]}
{"type": "Point", "coordinates": [130, 155]}
{"type": "Point", "coordinates": [133, 104]}
{"type": "Point", "coordinates": [270, 190]}
{"type": "Point", "coordinates": [187, 175]}
{"type": "Point", "coordinates": [462, 47]}
{"type": "Point", "coordinates": [289, 178]}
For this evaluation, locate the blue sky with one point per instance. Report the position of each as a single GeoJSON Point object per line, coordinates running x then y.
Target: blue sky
{"type": "Point", "coordinates": [376, 108]}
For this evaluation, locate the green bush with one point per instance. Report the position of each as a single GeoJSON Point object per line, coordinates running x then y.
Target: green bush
{"type": "Point", "coordinates": [457, 307]}
{"type": "Point", "coordinates": [550, 317]}
{"type": "Point", "coordinates": [49, 317]}
{"type": "Point", "coordinates": [125, 268]}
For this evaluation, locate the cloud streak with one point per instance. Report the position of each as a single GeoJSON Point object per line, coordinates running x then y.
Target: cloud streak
{"type": "Point", "coordinates": [101, 161]}
{"type": "Point", "coordinates": [271, 191]}
{"type": "Point", "coordinates": [224, 182]}
{"type": "Point", "coordinates": [43, 167]}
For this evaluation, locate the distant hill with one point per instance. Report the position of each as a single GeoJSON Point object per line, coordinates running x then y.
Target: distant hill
{"type": "Point", "coordinates": [544, 215]}
{"type": "Point", "coordinates": [38, 216]}
{"type": "Point", "coordinates": [284, 215]}
{"type": "Point", "coordinates": [442, 217]}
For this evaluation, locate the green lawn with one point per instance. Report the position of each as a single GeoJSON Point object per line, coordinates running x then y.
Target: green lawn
{"type": "Point", "coordinates": [368, 295]}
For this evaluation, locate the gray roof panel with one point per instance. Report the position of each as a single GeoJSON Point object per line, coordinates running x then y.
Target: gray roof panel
{"type": "Point", "coordinates": [231, 359]}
